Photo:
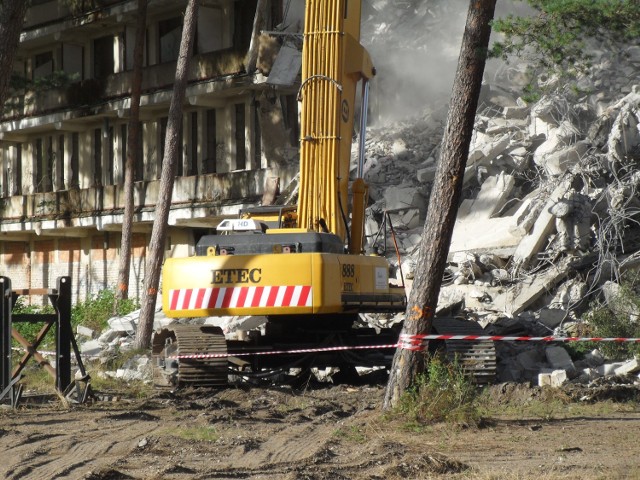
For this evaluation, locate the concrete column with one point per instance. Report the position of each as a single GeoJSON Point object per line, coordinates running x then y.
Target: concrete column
{"type": "Point", "coordinates": [118, 163]}
{"type": "Point", "coordinates": [225, 126]}
{"type": "Point", "coordinates": [66, 160]}
{"type": "Point", "coordinates": [85, 158]}
{"type": "Point", "coordinates": [202, 141]}
{"type": "Point", "coordinates": [10, 163]}
{"type": "Point", "coordinates": [28, 159]}
{"type": "Point", "coordinates": [151, 150]}
{"type": "Point", "coordinates": [56, 148]}
{"type": "Point", "coordinates": [118, 53]}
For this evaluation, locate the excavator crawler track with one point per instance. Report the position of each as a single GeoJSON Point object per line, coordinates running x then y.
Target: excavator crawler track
{"type": "Point", "coordinates": [175, 355]}
{"type": "Point", "coordinates": [477, 358]}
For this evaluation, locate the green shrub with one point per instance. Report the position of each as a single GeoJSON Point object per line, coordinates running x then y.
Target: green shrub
{"type": "Point", "coordinates": [615, 320]}
{"type": "Point", "coordinates": [444, 393]}
{"type": "Point", "coordinates": [31, 330]}
{"type": "Point", "coordinates": [94, 312]}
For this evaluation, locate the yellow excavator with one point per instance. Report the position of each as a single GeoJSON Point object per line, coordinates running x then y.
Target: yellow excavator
{"type": "Point", "coordinates": [303, 268]}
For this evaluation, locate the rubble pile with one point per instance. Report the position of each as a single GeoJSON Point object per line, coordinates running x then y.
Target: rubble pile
{"type": "Point", "coordinates": [550, 219]}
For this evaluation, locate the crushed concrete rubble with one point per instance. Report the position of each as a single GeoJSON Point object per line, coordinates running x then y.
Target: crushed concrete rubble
{"type": "Point", "coordinates": [550, 214]}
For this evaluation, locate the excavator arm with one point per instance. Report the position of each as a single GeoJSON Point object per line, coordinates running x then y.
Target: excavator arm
{"type": "Point", "coordinates": [333, 62]}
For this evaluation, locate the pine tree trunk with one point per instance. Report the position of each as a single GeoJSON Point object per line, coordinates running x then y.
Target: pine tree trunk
{"type": "Point", "coordinates": [169, 166]}
{"type": "Point", "coordinates": [12, 14]}
{"type": "Point", "coordinates": [445, 197]}
{"type": "Point", "coordinates": [133, 131]}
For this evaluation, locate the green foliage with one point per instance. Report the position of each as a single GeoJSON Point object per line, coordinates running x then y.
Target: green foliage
{"type": "Point", "coordinates": [352, 433]}
{"type": "Point", "coordinates": [20, 85]}
{"type": "Point", "coordinates": [30, 330]}
{"type": "Point", "coordinates": [444, 393]}
{"type": "Point", "coordinates": [94, 312]}
{"type": "Point", "coordinates": [556, 37]}
{"type": "Point", "coordinates": [618, 319]}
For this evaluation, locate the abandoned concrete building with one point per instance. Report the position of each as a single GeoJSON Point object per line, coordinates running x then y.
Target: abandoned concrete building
{"type": "Point", "coordinates": [63, 149]}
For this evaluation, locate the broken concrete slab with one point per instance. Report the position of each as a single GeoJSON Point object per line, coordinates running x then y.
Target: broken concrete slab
{"type": "Point", "coordinates": [544, 225]}
{"type": "Point", "coordinates": [557, 162]}
{"type": "Point", "coordinates": [404, 197]}
{"type": "Point", "coordinates": [494, 193]}
{"type": "Point", "coordinates": [109, 335]}
{"type": "Point", "coordinates": [517, 298]}
{"type": "Point", "coordinates": [91, 348]}
{"type": "Point", "coordinates": [559, 359]}
{"type": "Point", "coordinates": [628, 368]}
{"type": "Point", "coordinates": [487, 152]}
{"type": "Point", "coordinates": [552, 317]}
{"type": "Point", "coordinates": [122, 324]}
{"type": "Point", "coordinates": [84, 331]}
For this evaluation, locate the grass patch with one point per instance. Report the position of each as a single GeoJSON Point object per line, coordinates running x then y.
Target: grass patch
{"type": "Point", "coordinates": [444, 393]}
{"type": "Point", "coordinates": [352, 433]}
{"type": "Point", "coordinates": [94, 312]}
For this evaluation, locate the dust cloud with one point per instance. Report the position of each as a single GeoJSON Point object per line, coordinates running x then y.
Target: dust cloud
{"type": "Point", "coordinates": [415, 45]}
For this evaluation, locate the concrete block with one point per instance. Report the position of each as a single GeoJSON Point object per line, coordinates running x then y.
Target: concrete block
{"type": "Point", "coordinates": [411, 218]}
{"type": "Point", "coordinates": [91, 348]}
{"type": "Point", "coordinates": [489, 151]}
{"type": "Point", "coordinates": [587, 375]}
{"type": "Point", "coordinates": [109, 335]}
{"type": "Point", "coordinates": [530, 360]}
{"type": "Point", "coordinates": [128, 374]}
{"type": "Point", "coordinates": [561, 160]}
{"type": "Point", "coordinates": [594, 358]}
{"type": "Point", "coordinates": [553, 378]}
{"type": "Point", "coordinates": [122, 324]}
{"type": "Point", "coordinates": [494, 192]}
{"type": "Point", "coordinates": [609, 368]}
{"type": "Point", "coordinates": [628, 368]}
{"type": "Point", "coordinates": [497, 126]}
{"type": "Point", "coordinates": [516, 112]}
{"type": "Point", "coordinates": [84, 331]}
{"type": "Point", "coordinates": [427, 174]}
{"type": "Point", "coordinates": [401, 198]}
{"type": "Point", "coordinates": [552, 317]}
{"type": "Point", "coordinates": [558, 377]}
{"type": "Point", "coordinates": [544, 225]}
{"type": "Point", "coordinates": [559, 359]}
{"type": "Point", "coordinates": [544, 379]}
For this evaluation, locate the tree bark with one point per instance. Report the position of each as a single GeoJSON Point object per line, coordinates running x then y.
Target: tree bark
{"type": "Point", "coordinates": [133, 130]}
{"type": "Point", "coordinates": [12, 14]}
{"type": "Point", "coordinates": [443, 204]}
{"type": "Point", "coordinates": [169, 166]}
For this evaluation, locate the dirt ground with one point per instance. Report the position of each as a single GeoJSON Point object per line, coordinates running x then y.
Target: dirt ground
{"type": "Point", "coordinates": [317, 432]}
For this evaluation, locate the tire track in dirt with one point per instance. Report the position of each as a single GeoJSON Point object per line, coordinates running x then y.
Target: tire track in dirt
{"type": "Point", "coordinates": [290, 445]}
{"type": "Point", "coordinates": [74, 447]}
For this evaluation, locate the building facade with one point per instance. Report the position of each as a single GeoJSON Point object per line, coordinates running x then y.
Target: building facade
{"type": "Point", "coordinates": [63, 146]}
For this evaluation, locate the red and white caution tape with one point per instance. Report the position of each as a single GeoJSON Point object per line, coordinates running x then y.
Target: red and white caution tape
{"type": "Point", "coordinates": [415, 343]}
{"type": "Point", "coordinates": [419, 342]}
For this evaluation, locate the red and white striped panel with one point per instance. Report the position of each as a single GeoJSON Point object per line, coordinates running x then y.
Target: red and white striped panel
{"type": "Point", "coordinates": [240, 297]}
